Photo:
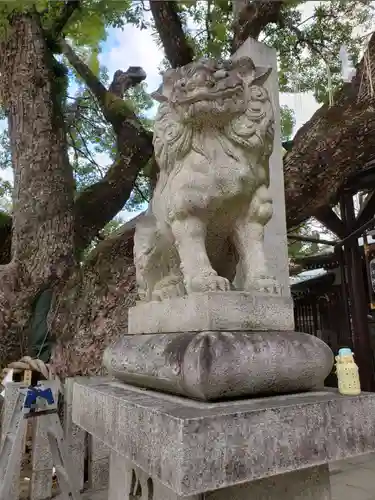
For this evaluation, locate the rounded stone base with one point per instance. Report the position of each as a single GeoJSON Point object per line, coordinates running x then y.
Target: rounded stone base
{"type": "Point", "coordinates": [219, 365]}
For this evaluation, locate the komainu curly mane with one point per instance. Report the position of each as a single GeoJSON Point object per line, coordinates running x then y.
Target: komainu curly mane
{"type": "Point", "coordinates": [213, 136]}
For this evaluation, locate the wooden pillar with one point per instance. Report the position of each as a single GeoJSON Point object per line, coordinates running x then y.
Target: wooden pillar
{"type": "Point", "coordinates": [345, 337]}
{"type": "Point", "coordinates": [358, 300]}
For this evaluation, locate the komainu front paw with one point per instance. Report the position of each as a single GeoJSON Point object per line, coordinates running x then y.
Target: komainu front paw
{"type": "Point", "coordinates": [264, 284]}
{"type": "Point", "coordinates": [209, 282]}
{"type": "Point", "coordinates": [168, 288]}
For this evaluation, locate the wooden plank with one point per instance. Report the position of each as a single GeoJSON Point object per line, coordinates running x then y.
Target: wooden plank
{"type": "Point", "coordinates": [41, 464]}
{"type": "Point", "coordinates": [10, 399]}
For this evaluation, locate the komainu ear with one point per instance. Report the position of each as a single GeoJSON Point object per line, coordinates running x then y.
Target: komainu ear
{"type": "Point", "coordinates": [244, 65]}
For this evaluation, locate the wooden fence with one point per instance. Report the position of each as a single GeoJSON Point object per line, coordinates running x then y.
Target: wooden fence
{"type": "Point", "coordinates": [34, 478]}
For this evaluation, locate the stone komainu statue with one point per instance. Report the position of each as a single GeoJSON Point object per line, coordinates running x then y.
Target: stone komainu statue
{"type": "Point", "coordinates": [213, 138]}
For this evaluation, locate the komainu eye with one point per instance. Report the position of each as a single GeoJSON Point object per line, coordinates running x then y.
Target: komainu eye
{"type": "Point", "coordinates": [182, 83]}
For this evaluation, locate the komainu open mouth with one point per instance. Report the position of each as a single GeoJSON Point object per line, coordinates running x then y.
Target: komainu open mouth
{"type": "Point", "coordinates": [209, 95]}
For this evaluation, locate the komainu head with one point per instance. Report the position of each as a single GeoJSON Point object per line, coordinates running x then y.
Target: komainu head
{"type": "Point", "coordinates": [209, 90]}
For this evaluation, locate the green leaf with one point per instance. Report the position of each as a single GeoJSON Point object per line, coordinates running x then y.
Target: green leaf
{"type": "Point", "coordinates": [287, 122]}
{"type": "Point", "coordinates": [93, 62]}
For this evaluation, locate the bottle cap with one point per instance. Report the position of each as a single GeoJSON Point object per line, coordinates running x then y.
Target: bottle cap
{"type": "Point", "coordinates": [345, 351]}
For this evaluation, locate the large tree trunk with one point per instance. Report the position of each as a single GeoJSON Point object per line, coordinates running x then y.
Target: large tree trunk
{"type": "Point", "coordinates": [91, 310]}
{"type": "Point", "coordinates": [42, 238]}
{"type": "Point", "coordinates": [47, 224]}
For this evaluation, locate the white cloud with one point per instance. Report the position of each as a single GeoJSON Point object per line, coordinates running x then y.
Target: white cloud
{"type": "Point", "coordinates": [304, 106]}
{"type": "Point", "coordinates": [7, 174]}
{"type": "Point", "coordinates": [133, 47]}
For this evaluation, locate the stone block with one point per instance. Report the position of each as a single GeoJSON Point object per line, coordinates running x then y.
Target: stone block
{"type": "Point", "coordinates": [75, 437]}
{"type": "Point", "coordinates": [128, 481]}
{"type": "Point", "coordinates": [193, 447]}
{"type": "Point", "coordinates": [99, 474]}
{"type": "Point", "coordinates": [275, 239]}
{"type": "Point", "coordinates": [307, 484]}
{"type": "Point", "coordinates": [213, 366]}
{"type": "Point", "coordinates": [213, 311]}
{"type": "Point", "coordinates": [98, 464]}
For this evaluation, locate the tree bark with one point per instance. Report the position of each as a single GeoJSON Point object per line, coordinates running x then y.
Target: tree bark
{"type": "Point", "coordinates": [5, 238]}
{"type": "Point", "coordinates": [134, 149]}
{"type": "Point", "coordinates": [91, 211]}
{"type": "Point", "coordinates": [169, 26]}
{"type": "Point", "coordinates": [251, 17]}
{"type": "Point", "coordinates": [102, 292]}
{"type": "Point", "coordinates": [42, 236]}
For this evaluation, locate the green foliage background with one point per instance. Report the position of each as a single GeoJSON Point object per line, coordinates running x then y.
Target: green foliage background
{"type": "Point", "coordinates": [308, 48]}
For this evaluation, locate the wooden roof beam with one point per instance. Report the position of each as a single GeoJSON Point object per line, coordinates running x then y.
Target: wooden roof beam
{"type": "Point", "coordinates": [331, 221]}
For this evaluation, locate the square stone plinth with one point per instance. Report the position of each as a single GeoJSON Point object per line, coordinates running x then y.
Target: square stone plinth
{"type": "Point", "coordinates": [213, 311]}
{"type": "Point", "coordinates": [193, 447]}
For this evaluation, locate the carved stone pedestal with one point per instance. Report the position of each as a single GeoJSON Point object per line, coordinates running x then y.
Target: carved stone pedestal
{"type": "Point", "coordinates": [215, 365]}
{"type": "Point", "coordinates": [226, 311]}
{"type": "Point", "coordinates": [169, 448]}
{"type": "Point", "coordinates": [238, 344]}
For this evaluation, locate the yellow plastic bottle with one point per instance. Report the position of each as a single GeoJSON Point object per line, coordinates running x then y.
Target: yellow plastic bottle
{"type": "Point", "coordinates": [347, 373]}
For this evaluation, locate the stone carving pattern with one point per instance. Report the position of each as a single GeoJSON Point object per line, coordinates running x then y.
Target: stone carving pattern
{"type": "Point", "coordinates": [213, 136]}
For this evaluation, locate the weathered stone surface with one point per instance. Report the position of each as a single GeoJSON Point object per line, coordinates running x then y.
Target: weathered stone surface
{"type": "Point", "coordinates": [129, 481]}
{"type": "Point", "coordinates": [98, 464]}
{"type": "Point", "coordinates": [309, 484]}
{"type": "Point", "coordinates": [213, 137]}
{"type": "Point", "coordinates": [213, 311]}
{"type": "Point", "coordinates": [219, 365]}
{"type": "Point", "coordinates": [75, 437]}
{"type": "Point", "coordinates": [275, 239]}
{"type": "Point", "coordinates": [194, 447]}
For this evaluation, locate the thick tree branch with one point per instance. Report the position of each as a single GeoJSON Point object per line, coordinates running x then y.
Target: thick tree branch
{"type": "Point", "coordinates": [334, 143]}
{"type": "Point", "coordinates": [251, 17]}
{"type": "Point", "coordinates": [114, 109]}
{"type": "Point", "coordinates": [169, 26]}
{"type": "Point", "coordinates": [124, 80]}
{"type": "Point", "coordinates": [92, 82]}
{"type": "Point", "coordinates": [66, 13]}
{"type": "Point", "coordinates": [99, 203]}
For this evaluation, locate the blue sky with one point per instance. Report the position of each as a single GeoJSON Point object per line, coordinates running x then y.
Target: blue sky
{"type": "Point", "coordinates": [134, 47]}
